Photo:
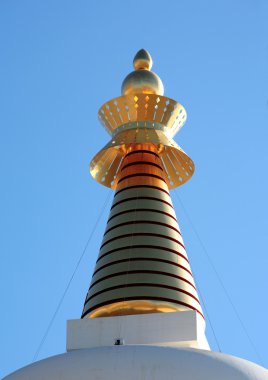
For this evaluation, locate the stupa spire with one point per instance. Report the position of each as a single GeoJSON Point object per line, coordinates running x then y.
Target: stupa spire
{"type": "Point", "coordinates": [142, 265]}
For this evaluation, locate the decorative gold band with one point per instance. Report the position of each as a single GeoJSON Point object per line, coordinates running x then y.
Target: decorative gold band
{"type": "Point", "coordinates": [142, 107]}
{"type": "Point", "coordinates": [177, 165]}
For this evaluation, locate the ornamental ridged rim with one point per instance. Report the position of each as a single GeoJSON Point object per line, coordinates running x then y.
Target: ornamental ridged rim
{"type": "Point", "coordinates": [142, 107]}
{"type": "Point", "coordinates": [177, 165]}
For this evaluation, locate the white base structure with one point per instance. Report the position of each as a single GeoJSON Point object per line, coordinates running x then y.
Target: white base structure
{"type": "Point", "coordinates": [184, 329]}
{"type": "Point", "coordinates": [106, 349]}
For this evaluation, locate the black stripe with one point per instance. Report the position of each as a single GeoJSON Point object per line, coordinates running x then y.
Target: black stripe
{"type": "Point", "coordinates": [128, 260]}
{"type": "Point", "coordinates": [141, 175]}
{"type": "Point", "coordinates": [137, 186]}
{"type": "Point", "coordinates": [143, 247]}
{"type": "Point", "coordinates": [138, 198]}
{"type": "Point", "coordinates": [139, 284]}
{"type": "Point", "coordinates": [141, 163]}
{"type": "Point", "coordinates": [141, 298]}
{"type": "Point", "coordinates": [141, 234]}
{"type": "Point", "coordinates": [142, 151]}
{"type": "Point", "coordinates": [141, 209]}
{"type": "Point", "coordinates": [142, 222]}
{"type": "Point", "coordinates": [142, 271]}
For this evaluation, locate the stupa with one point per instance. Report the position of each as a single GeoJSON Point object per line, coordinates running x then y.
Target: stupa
{"type": "Point", "coordinates": [142, 319]}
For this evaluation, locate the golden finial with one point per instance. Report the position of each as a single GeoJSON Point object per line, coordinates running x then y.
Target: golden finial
{"type": "Point", "coordinates": [142, 115]}
{"type": "Point", "coordinates": [142, 60]}
{"type": "Point", "coordinates": [142, 80]}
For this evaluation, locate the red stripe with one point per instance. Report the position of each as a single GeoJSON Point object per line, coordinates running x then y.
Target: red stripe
{"type": "Point", "coordinates": [143, 247]}
{"type": "Point", "coordinates": [142, 222]}
{"type": "Point", "coordinates": [142, 234]}
{"type": "Point", "coordinates": [141, 175]}
{"type": "Point", "coordinates": [142, 151]}
{"type": "Point", "coordinates": [140, 198]}
{"type": "Point", "coordinates": [128, 260]}
{"type": "Point", "coordinates": [140, 272]}
{"type": "Point", "coordinates": [145, 186]}
{"type": "Point", "coordinates": [141, 209]}
{"type": "Point", "coordinates": [141, 163]}
{"type": "Point", "coordinates": [141, 284]}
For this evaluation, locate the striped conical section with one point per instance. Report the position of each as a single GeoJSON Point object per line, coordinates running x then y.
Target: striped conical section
{"type": "Point", "coordinates": [142, 265]}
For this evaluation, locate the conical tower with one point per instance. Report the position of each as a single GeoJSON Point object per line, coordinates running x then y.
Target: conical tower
{"type": "Point", "coordinates": [142, 265]}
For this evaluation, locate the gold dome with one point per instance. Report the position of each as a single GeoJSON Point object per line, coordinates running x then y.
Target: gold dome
{"type": "Point", "coordinates": [142, 80]}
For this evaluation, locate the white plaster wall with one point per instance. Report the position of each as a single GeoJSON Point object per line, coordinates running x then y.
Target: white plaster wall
{"type": "Point", "coordinates": [141, 363]}
{"type": "Point", "coordinates": [184, 329]}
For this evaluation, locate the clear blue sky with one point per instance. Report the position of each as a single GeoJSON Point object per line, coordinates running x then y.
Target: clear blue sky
{"type": "Point", "coordinates": [60, 60]}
